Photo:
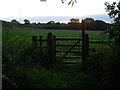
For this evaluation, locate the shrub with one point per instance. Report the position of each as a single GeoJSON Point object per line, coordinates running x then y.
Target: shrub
{"type": "Point", "coordinates": [111, 64]}
{"type": "Point", "coordinates": [7, 83]}
{"type": "Point", "coordinates": [31, 55]}
{"type": "Point", "coordinates": [105, 66]}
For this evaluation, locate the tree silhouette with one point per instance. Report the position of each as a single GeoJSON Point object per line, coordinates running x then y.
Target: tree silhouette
{"type": "Point", "coordinates": [26, 21]}
{"type": "Point", "coordinates": [14, 21]}
{"type": "Point", "coordinates": [114, 12]}
{"type": "Point", "coordinates": [51, 22]}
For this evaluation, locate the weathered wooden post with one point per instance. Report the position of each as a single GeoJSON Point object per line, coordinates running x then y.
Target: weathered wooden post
{"type": "Point", "coordinates": [85, 52]}
{"type": "Point", "coordinates": [83, 44]}
{"type": "Point", "coordinates": [83, 28]}
{"type": "Point", "coordinates": [83, 40]}
{"type": "Point", "coordinates": [34, 41]}
{"type": "Point", "coordinates": [50, 47]}
{"type": "Point", "coordinates": [87, 45]}
{"type": "Point", "coordinates": [54, 48]}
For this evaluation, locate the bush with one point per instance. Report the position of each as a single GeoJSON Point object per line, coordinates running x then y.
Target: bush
{"type": "Point", "coordinates": [111, 64]}
{"type": "Point", "coordinates": [105, 66]}
{"type": "Point", "coordinates": [7, 83]}
{"type": "Point", "coordinates": [31, 55]}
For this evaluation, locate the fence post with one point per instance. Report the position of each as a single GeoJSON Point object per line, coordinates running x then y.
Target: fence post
{"type": "Point", "coordinates": [83, 41]}
{"type": "Point", "coordinates": [85, 51]}
{"type": "Point", "coordinates": [86, 46]}
{"type": "Point", "coordinates": [41, 50]}
{"type": "Point", "coordinates": [50, 47]}
{"type": "Point", "coordinates": [54, 48]}
{"type": "Point", "coordinates": [83, 28]}
{"type": "Point", "coordinates": [34, 40]}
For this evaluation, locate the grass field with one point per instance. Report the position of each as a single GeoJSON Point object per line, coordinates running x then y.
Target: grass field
{"type": "Point", "coordinates": [59, 33]}
{"type": "Point", "coordinates": [27, 33]}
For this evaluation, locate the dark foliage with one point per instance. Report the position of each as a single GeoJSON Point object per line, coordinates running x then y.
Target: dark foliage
{"type": "Point", "coordinates": [94, 25]}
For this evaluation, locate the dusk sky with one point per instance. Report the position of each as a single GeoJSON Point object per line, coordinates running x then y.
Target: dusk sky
{"type": "Point", "coordinates": [32, 8]}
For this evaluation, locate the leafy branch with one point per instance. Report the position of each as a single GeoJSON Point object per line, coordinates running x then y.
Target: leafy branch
{"type": "Point", "coordinates": [113, 10]}
{"type": "Point", "coordinates": [71, 2]}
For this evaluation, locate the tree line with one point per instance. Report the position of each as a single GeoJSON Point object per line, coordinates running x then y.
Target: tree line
{"type": "Point", "coordinates": [91, 24]}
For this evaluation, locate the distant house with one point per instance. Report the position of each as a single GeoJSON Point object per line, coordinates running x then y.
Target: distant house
{"type": "Point", "coordinates": [74, 20]}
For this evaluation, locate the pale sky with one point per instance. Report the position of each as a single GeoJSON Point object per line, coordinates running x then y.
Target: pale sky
{"type": "Point", "coordinates": [31, 8]}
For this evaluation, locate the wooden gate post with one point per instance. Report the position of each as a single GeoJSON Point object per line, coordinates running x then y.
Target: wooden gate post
{"type": "Point", "coordinates": [85, 51]}
{"type": "Point", "coordinates": [83, 28]}
{"type": "Point", "coordinates": [86, 46]}
{"type": "Point", "coordinates": [50, 47]}
{"type": "Point", "coordinates": [54, 48]}
{"type": "Point", "coordinates": [83, 41]}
